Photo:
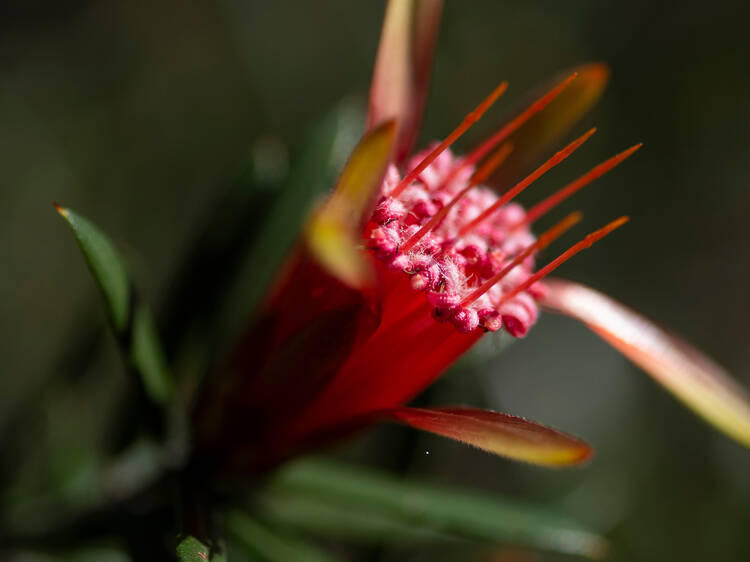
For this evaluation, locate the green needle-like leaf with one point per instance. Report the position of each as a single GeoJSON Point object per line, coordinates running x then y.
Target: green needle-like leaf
{"type": "Point", "coordinates": [131, 319]}
{"type": "Point", "coordinates": [105, 264]}
{"type": "Point", "coordinates": [361, 523]}
{"type": "Point", "coordinates": [148, 357]}
{"type": "Point", "coordinates": [269, 545]}
{"type": "Point", "coordinates": [349, 502]}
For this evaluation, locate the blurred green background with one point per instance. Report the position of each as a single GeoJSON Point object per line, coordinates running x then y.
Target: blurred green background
{"type": "Point", "coordinates": [136, 113]}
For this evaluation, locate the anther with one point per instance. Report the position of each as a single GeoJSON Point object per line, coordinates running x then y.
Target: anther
{"type": "Point", "coordinates": [479, 176]}
{"type": "Point", "coordinates": [544, 240]}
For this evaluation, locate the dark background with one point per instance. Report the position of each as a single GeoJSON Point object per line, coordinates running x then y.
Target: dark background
{"type": "Point", "coordinates": [135, 112]}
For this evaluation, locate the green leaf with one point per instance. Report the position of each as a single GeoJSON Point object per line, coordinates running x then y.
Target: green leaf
{"type": "Point", "coordinates": [269, 545]}
{"type": "Point", "coordinates": [191, 549]}
{"type": "Point", "coordinates": [313, 171]}
{"type": "Point", "coordinates": [131, 318]}
{"type": "Point", "coordinates": [323, 497]}
{"type": "Point", "coordinates": [148, 357]}
{"type": "Point", "coordinates": [334, 520]}
{"type": "Point", "coordinates": [105, 264]}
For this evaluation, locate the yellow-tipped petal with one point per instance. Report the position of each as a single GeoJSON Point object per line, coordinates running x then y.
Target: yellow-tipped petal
{"type": "Point", "coordinates": [337, 251]}
{"type": "Point", "coordinates": [501, 434]}
{"type": "Point", "coordinates": [334, 232]}
{"type": "Point", "coordinates": [691, 376]}
{"type": "Point", "coordinates": [546, 129]}
{"type": "Point", "coordinates": [403, 66]}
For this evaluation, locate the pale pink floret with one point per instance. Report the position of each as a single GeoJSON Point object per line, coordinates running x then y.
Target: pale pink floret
{"type": "Point", "coordinates": [447, 265]}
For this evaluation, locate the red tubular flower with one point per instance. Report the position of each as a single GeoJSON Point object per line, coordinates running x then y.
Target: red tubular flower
{"type": "Point", "coordinates": [399, 274]}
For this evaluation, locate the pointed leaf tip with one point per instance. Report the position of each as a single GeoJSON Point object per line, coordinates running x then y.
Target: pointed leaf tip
{"type": "Point", "coordinates": [498, 433]}
{"type": "Point", "coordinates": [104, 261]}
{"type": "Point", "coordinates": [131, 319]}
{"type": "Point", "coordinates": [691, 376]}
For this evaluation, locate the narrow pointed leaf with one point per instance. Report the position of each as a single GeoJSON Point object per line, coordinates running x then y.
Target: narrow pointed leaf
{"type": "Point", "coordinates": [358, 504]}
{"type": "Point", "coordinates": [334, 233]}
{"type": "Point", "coordinates": [105, 264]}
{"type": "Point", "coordinates": [501, 434]}
{"type": "Point", "coordinates": [147, 355]}
{"type": "Point", "coordinates": [402, 67]}
{"type": "Point", "coordinates": [269, 545]}
{"type": "Point", "coordinates": [691, 376]}
{"type": "Point", "coordinates": [345, 520]}
{"type": "Point", "coordinates": [543, 132]}
{"type": "Point", "coordinates": [131, 319]}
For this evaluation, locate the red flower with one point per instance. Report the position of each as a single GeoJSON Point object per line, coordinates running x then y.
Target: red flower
{"type": "Point", "coordinates": [398, 275]}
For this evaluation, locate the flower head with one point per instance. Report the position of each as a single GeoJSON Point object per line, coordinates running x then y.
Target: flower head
{"type": "Point", "coordinates": [407, 264]}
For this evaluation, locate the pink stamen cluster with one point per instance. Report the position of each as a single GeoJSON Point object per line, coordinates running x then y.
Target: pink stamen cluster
{"type": "Point", "coordinates": [446, 265]}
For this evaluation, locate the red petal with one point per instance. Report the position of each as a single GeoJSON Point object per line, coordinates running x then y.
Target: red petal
{"type": "Point", "coordinates": [409, 350]}
{"type": "Point", "coordinates": [426, 25]}
{"type": "Point", "coordinates": [691, 376]}
{"type": "Point", "coordinates": [402, 68]}
{"type": "Point", "coordinates": [502, 434]}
